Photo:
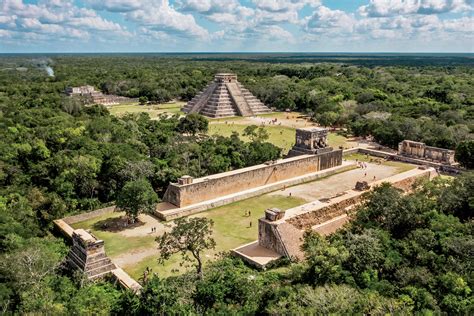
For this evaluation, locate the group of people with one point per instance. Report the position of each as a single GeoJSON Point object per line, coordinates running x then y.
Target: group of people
{"type": "Point", "coordinates": [153, 229]}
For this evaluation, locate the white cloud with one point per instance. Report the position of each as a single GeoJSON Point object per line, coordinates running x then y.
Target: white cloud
{"type": "Point", "coordinates": [208, 6]}
{"type": "Point", "coordinates": [325, 20]}
{"type": "Point", "coordinates": [54, 20]}
{"type": "Point", "coordinates": [117, 5]}
{"type": "Point", "coordinates": [162, 17]}
{"type": "Point", "coordinates": [284, 5]}
{"type": "Point", "coordinates": [387, 8]}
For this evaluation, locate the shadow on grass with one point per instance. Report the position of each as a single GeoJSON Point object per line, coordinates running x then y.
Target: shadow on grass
{"type": "Point", "coordinates": [116, 224]}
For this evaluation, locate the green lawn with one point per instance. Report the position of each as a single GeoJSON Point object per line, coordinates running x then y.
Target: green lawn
{"type": "Point", "coordinates": [153, 110]}
{"type": "Point", "coordinates": [231, 229]}
{"type": "Point", "coordinates": [115, 243]}
{"type": "Point", "coordinates": [401, 166]}
{"type": "Point", "coordinates": [281, 136]}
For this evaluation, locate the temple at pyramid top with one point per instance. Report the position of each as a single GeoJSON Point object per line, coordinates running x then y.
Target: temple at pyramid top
{"type": "Point", "coordinates": [223, 97]}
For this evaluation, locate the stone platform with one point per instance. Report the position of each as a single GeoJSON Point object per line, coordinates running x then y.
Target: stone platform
{"type": "Point", "coordinates": [283, 234]}
{"type": "Point", "coordinates": [166, 211]}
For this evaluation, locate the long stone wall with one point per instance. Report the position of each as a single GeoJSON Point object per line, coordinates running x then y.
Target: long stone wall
{"type": "Point", "coordinates": [226, 183]}
{"type": "Point", "coordinates": [89, 215]}
{"type": "Point", "coordinates": [276, 235]}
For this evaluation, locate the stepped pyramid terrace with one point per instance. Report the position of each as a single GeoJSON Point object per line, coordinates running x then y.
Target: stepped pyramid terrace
{"type": "Point", "coordinates": [224, 97]}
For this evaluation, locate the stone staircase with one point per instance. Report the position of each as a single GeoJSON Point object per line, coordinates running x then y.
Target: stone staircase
{"type": "Point", "coordinates": [200, 100]}
{"type": "Point", "coordinates": [255, 104]}
{"type": "Point", "coordinates": [88, 255]}
{"type": "Point", "coordinates": [225, 97]}
{"type": "Point", "coordinates": [239, 100]}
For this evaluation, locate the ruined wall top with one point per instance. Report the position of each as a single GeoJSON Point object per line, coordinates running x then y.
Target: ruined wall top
{"type": "Point", "coordinates": [311, 137]}
{"type": "Point", "coordinates": [420, 150]}
{"type": "Point", "coordinates": [85, 239]}
{"type": "Point", "coordinates": [225, 77]}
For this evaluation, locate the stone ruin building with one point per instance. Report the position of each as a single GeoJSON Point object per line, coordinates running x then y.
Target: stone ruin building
{"type": "Point", "coordinates": [93, 96]}
{"type": "Point", "coordinates": [223, 97]}
{"type": "Point", "coordinates": [419, 150]}
{"type": "Point", "coordinates": [310, 155]}
{"type": "Point", "coordinates": [310, 141]}
{"type": "Point", "coordinates": [87, 254]}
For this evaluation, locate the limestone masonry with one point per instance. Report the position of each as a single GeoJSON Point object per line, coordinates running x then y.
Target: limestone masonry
{"type": "Point", "coordinates": [282, 231]}
{"type": "Point", "coordinates": [311, 140]}
{"type": "Point", "coordinates": [92, 96]}
{"type": "Point", "coordinates": [190, 191]}
{"type": "Point", "coordinates": [87, 254]}
{"type": "Point", "coordinates": [223, 97]}
{"type": "Point", "coordinates": [421, 151]}
{"type": "Point", "coordinates": [214, 186]}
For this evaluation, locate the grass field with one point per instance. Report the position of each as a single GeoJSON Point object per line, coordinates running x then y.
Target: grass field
{"type": "Point", "coordinates": [231, 229]}
{"type": "Point", "coordinates": [115, 244]}
{"type": "Point", "coordinates": [281, 136]}
{"type": "Point", "coordinates": [152, 110]}
{"type": "Point", "coordinates": [401, 166]}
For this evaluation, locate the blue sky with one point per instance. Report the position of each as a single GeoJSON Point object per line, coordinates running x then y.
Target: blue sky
{"type": "Point", "coordinates": [236, 25]}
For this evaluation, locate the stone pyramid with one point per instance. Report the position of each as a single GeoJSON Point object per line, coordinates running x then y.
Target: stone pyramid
{"type": "Point", "coordinates": [223, 97]}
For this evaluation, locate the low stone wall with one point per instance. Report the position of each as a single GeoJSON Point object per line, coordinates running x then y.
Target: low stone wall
{"type": "Point", "coordinates": [345, 203]}
{"type": "Point", "coordinates": [174, 213]}
{"type": "Point", "coordinates": [227, 183]}
{"type": "Point", "coordinates": [67, 231]}
{"type": "Point", "coordinates": [276, 236]}
{"type": "Point", "coordinates": [443, 168]}
{"type": "Point", "coordinates": [89, 215]}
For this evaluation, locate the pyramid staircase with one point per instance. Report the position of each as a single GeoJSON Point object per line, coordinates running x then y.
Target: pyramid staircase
{"type": "Point", "coordinates": [224, 97]}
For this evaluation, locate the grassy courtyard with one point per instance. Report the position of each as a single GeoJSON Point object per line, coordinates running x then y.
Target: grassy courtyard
{"type": "Point", "coordinates": [153, 110]}
{"type": "Point", "coordinates": [231, 229]}
{"type": "Point", "coordinates": [281, 136]}
{"type": "Point", "coordinates": [401, 166]}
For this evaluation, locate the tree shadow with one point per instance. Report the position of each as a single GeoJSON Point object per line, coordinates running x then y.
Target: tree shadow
{"type": "Point", "coordinates": [116, 224]}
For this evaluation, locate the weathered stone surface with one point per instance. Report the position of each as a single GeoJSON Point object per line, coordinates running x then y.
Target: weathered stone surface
{"type": "Point", "coordinates": [362, 186]}
{"type": "Point", "coordinates": [284, 235]}
{"type": "Point", "coordinates": [87, 254]}
{"type": "Point", "coordinates": [223, 97]}
{"type": "Point", "coordinates": [222, 184]}
{"type": "Point", "coordinates": [420, 150]}
{"type": "Point", "coordinates": [311, 140]}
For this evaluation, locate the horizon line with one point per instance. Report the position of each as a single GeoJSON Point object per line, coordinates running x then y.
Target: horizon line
{"type": "Point", "coordinates": [237, 52]}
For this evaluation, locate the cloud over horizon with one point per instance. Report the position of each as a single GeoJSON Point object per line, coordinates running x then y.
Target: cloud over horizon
{"type": "Point", "coordinates": [236, 25]}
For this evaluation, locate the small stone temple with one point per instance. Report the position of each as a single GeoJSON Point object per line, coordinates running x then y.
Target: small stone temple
{"type": "Point", "coordinates": [310, 141]}
{"type": "Point", "coordinates": [419, 150]}
{"type": "Point", "coordinates": [223, 97]}
{"type": "Point", "coordinates": [87, 254]}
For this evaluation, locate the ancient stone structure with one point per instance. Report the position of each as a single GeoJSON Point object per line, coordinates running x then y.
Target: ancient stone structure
{"type": "Point", "coordinates": [92, 96]}
{"type": "Point", "coordinates": [421, 151]}
{"type": "Point", "coordinates": [361, 186]}
{"type": "Point", "coordinates": [87, 254]}
{"type": "Point", "coordinates": [223, 97]}
{"type": "Point", "coordinates": [191, 191]}
{"type": "Point", "coordinates": [311, 140]}
{"type": "Point", "coordinates": [282, 232]}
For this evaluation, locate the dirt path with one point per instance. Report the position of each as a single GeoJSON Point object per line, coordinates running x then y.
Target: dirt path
{"type": "Point", "coordinates": [133, 257]}
{"type": "Point", "coordinates": [292, 120]}
{"type": "Point", "coordinates": [333, 185]}
{"type": "Point", "coordinates": [145, 230]}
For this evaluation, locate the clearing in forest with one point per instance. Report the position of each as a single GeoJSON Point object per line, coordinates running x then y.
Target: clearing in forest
{"type": "Point", "coordinates": [134, 249]}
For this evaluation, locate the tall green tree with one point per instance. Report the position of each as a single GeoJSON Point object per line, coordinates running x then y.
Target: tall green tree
{"type": "Point", "coordinates": [137, 196]}
{"type": "Point", "coordinates": [189, 236]}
